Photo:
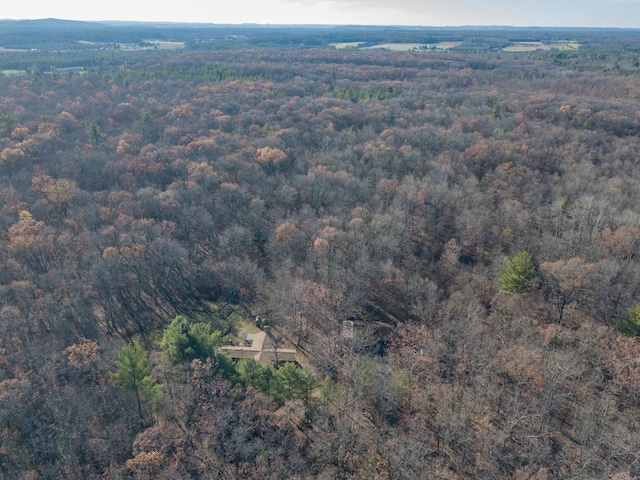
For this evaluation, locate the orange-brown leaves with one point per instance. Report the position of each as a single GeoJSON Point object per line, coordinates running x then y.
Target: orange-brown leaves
{"type": "Point", "coordinates": [521, 364]}
{"type": "Point", "coordinates": [145, 464]}
{"type": "Point", "coordinates": [621, 242]}
{"type": "Point", "coordinates": [269, 156]}
{"type": "Point", "coordinates": [571, 275]}
{"type": "Point", "coordinates": [83, 354]}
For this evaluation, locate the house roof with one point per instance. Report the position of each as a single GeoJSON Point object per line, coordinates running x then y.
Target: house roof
{"type": "Point", "coordinates": [261, 349]}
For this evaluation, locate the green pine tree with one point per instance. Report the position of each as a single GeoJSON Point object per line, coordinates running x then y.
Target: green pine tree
{"type": "Point", "coordinates": [7, 122]}
{"type": "Point", "coordinates": [292, 382]}
{"type": "Point", "coordinates": [94, 132]}
{"type": "Point", "coordinates": [252, 373]}
{"type": "Point", "coordinates": [630, 325]}
{"type": "Point", "coordinates": [518, 274]}
{"type": "Point", "coordinates": [133, 375]}
{"type": "Point", "coordinates": [185, 341]}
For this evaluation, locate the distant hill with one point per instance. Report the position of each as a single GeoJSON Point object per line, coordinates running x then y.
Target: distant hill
{"type": "Point", "coordinates": [53, 34]}
{"type": "Point", "coordinates": [50, 23]}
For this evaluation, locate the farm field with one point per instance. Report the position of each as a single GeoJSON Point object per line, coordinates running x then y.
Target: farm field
{"type": "Point", "coordinates": [405, 47]}
{"type": "Point", "coordinates": [167, 45]}
{"type": "Point", "coordinates": [396, 47]}
{"type": "Point", "coordinates": [345, 45]}
{"type": "Point", "coordinates": [533, 46]}
{"type": "Point", "coordinates": [446, 45]}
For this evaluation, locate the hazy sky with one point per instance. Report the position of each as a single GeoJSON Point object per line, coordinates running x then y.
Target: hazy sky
{"type": "Point", "coordinates": [589, 13]}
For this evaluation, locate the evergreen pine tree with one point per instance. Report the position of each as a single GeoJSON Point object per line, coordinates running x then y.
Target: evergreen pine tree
{"type": "Point", "coordinates": [133, 375]}
{"type": "Point", "coordinates": [517, 274]}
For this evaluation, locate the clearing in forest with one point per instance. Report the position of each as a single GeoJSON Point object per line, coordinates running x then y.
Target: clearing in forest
{"type": "Point", "coordinates": [167, 45]}
{"type": "Point", "coordinates": [533, 46]}
{"type": "Point", "coordinates": [405, 47]}
{"type": "Point", "coordinates": [344, 45]}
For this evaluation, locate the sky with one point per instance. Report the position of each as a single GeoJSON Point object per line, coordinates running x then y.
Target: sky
{"type": "Point", "coordinates": [551, 13]}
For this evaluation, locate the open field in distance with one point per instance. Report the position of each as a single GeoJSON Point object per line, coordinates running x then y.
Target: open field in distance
{"type": "Point", "coordinates": [533, 46]}
{"type": "Point", "coordinates": [406, 47]}
{"type": "Point", "coordinates": [343, 45]}
{"type": "Point", "coordinates": [167, 45]}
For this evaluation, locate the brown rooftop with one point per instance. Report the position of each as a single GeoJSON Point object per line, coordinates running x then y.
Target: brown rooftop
{"type": "Point", "coordinates": [260, 347]}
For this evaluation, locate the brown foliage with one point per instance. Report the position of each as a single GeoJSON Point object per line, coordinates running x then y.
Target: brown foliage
{"type": "Point", "coordinates": [83, 354]}
{"type": "Point", "coordinates": [323, 188]}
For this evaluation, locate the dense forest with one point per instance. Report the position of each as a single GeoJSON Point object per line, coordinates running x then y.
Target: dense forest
{"type": "Point", "coordinates": [448, 239]}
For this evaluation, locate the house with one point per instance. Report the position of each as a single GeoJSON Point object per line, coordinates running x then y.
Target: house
{"type": "Point", "coordinates": [260, 346]}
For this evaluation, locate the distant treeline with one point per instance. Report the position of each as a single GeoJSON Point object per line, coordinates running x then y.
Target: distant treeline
{"type": "Point", "coordinates": [57, 35]}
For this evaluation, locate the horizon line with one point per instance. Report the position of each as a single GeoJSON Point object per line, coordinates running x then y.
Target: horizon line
{"type": "Point", "coordinates": [321, 25]}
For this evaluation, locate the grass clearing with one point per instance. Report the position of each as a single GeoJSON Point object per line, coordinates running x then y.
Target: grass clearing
{"type": "Point", "coordinates": [167, 45]}
{"type": "Point", "coordinates": [572, 45]}
{"type": "Point", "coordinates": [3, 49]}
{"type": "Point", "coordinates": [534, 46]}
{"type": "Point", "coordinates": [343, 45]}
{"type": "Point", "coordinates": [421, 47]}
{"type": "Point", "coordinates": [150, 45]}
{"type": "Point", "coordinates": [447, 45]}
{"type": "Point", "coordinates": [396, 47]}
{"type": "Point", "coordinates": [13, 72]}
